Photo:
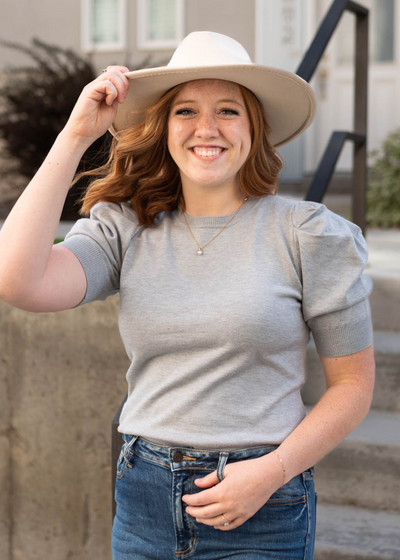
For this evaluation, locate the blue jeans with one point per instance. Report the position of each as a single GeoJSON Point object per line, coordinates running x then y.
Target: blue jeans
{"type": "Point", "coordinates": [151, 522]}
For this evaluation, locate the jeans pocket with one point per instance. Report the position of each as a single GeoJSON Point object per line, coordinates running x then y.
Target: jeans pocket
{"type": "Point", "coordinates": [285, 501]}
{"type": "Point", "coordinates": [290, 494]}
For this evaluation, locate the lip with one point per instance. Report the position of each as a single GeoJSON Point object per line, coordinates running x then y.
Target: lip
{"type": "Point", "coordinates": [207, 158]}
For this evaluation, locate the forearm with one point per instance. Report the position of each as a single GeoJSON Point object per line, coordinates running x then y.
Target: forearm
{"type": "Point", "coordinates": [341, 408]}
{"type": "Point", "coordinates": [27, 235]}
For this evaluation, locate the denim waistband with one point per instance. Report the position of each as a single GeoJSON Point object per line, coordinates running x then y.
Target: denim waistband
{"type": "Point", "coordinates": [180, 458]}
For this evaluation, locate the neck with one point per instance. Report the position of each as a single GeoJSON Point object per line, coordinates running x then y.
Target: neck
{"type": "Point", "coordinates": [212, 204]}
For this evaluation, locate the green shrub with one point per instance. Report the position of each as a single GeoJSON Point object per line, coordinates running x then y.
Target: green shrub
{"type": "Point", "coordinates": [383, 194]}
{"type": "Point", "coordinates": [35, 104]}
{"type": "Point", "coordinates": [36, 101]}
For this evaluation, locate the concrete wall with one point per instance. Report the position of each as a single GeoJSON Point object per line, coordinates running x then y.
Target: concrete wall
{"type": "Point", "coordinates": [62, 378]}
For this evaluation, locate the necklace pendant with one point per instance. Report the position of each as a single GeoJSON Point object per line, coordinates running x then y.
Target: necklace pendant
{"type": "Point", "coordinates": [199, 252]}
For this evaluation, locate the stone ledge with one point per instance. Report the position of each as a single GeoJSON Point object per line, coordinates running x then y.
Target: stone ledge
{"type": "Point", "coordinates": [351, 533]}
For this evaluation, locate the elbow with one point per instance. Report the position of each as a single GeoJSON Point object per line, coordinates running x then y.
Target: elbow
{"type": "Point", "coordinates": [370, 392]}
{"type": "Point", "coordinates": [366, 392]}
{"type": "Point", "coordinates": [6, 290]}
{"type": "Point", "coordinates": [12, 294]}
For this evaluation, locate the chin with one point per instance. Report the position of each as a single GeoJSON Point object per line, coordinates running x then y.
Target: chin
{"type": "Point", "coordinates": [210, 181]}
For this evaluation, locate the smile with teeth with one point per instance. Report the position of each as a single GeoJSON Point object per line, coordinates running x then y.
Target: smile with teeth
{"type": "Point", "coordinates": [207, 152]}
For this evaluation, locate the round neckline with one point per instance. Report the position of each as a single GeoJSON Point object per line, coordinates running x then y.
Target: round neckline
{"type": "Point", "coordinates": [216, 221]}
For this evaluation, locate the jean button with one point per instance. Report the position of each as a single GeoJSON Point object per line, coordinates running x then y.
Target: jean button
{"type": "Point", "coordinates": [177, 457]}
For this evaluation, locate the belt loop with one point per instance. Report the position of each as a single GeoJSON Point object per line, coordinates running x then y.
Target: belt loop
{"type": "Point", "coordinates": [223, 458]}
{"type": "Point", "coordinates": [128, 446]}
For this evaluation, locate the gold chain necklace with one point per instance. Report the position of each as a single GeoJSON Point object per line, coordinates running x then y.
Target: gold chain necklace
{"type": "Point", "coordinates": [200, 251]}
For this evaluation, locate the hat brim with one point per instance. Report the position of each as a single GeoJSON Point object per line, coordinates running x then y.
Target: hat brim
{"type": "Point", "coordinates": [288, 101]}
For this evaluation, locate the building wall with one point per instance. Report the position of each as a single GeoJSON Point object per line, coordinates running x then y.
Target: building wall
{"type": "Point", "coordinates": [235, 18]}
{"type": "Point", "coordinates": [53, 21]}
{"type": "Point", "coordinates": [60, 23]}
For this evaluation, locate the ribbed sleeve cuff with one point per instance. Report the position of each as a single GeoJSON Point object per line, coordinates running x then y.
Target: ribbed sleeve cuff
{"type": "Point", "coordinates": [344, 340]}
{"type": "Point", "coordinates": [95, 265]}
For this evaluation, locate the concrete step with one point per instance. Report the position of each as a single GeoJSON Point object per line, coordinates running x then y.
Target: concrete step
{"type": "Point", "coordinates": [387, 381]}
{"type": "Point", "coordinates": [385, 301]}
{"type": "Point", "coordinates": [364, 469]}
{"type": "Point", "coordinates": [351, 533]}
{"type": "Point", "coordinates": [384, 268]}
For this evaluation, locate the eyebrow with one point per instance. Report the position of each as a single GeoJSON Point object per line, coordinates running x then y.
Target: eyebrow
{"type": "Point", "coordinates": [219, 101]}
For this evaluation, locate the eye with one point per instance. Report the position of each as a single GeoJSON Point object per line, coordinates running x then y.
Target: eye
{"type": "Point", "coordinates": [184, 112]}
{"type": "Point", "coordinates": [229, 112]}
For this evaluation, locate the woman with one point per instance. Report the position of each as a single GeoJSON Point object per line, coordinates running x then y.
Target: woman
{"type": "Point", "coordinates": [220, 283]}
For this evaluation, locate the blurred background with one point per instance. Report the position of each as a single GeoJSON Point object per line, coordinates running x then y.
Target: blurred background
{"type": "Point", "coordinates": [62, 375]}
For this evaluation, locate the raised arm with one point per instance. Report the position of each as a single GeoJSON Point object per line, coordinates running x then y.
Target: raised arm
{"type": "Point", "coordinates": [36, 275]}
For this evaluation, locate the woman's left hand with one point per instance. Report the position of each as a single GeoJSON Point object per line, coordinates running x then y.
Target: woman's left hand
{"type": "Point", "coordinates": [246, 487]}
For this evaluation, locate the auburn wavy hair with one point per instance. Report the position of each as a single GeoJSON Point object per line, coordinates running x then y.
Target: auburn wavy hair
{"type": "Point", "coordinates": [141, 170]}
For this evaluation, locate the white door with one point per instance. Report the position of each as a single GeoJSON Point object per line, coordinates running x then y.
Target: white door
{"type": "Point", "coordinates": [334, 80]}
{"type": "Point", "coordinates": [281, 39]}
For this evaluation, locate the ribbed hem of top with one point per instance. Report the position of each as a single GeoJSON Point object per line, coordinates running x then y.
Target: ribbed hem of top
{"type": "Point", "coordinates": [216, 221]}
{"type": "Point", "coordinates": [345, 340]}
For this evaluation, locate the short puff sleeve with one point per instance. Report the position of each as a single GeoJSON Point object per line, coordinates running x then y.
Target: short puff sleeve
{"type": "Point", "coordinates": [332, 255]}
{"type": "Point", "coordinates": [100, 243]}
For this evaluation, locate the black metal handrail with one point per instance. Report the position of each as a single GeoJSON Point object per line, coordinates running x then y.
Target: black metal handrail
{"type": "Point", "coordinates": [323, 175]}
{"type": "Point", "coordinates": [333, 150]}
{"type": "Point", "coordinates": [326, 167]}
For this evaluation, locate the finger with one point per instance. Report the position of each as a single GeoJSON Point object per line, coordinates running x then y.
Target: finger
{"type": "Point", "coordinates": [104, 91]}
{"type": "Point", "coordinates": [119, 84]}
{"type": "Point", "coordinates": [119, 68]}
{"type": "Point", "coordinates": [119, 71]}
{"type": "Point", "coordinates": [119, 80]}
{"type": "Point", "coordinates": [207, 481]}
{"type": "Point", "coordinates": [208, 511]}
{"type": "Point", "coordinates": [218, 522]}
{"type": "Point", "coordinates": [204, 498]}
{"type": "Point", "coordinates": [231, 526]}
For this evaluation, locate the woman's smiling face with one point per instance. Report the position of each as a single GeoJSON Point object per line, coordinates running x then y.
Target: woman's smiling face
{"type": "Point", "coordinates": [209, 133]}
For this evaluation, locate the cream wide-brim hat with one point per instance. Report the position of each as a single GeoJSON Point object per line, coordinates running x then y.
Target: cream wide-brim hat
{"type": "Point", "coordinates": [288, 101]}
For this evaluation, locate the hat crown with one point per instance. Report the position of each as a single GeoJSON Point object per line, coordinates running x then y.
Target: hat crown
{"type": "Point", "coordinates": [205, 48]}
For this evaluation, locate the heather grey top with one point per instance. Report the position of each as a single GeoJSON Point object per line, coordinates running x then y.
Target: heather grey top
{"type": "Point", "coordinates": [217, 342]}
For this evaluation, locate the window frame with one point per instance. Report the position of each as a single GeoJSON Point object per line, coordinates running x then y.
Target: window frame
{"type": "Point", "coordinates": [87, 44]}
{"type": "Point", "coordinates": [143, 43]}
{"type": "Point", "coordinates": [372, 39]}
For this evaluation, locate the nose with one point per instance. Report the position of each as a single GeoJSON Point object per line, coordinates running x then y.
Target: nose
{"type": "Point", "coordinates": [207, 126]}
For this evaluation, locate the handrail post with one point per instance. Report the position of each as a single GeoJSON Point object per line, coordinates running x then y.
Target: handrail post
{"type": "Point", "coordinates": [359, 199]}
